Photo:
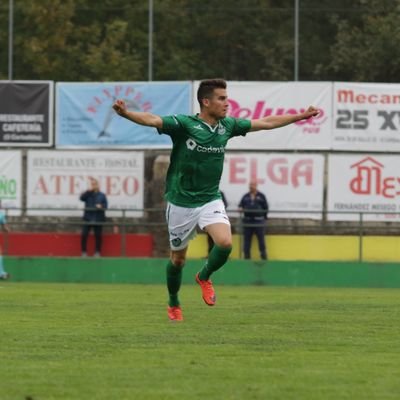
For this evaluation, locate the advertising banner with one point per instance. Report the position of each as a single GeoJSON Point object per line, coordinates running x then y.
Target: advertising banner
{"type": "Point", "coordinates": [292, 183]}
{"type": "Point", "coordinates": [10, 181]}
{"type": "Point", "coordinates": [56, 179]}
{"type": "Point", "coordinates": [254, 100]}
{"type": "Point", "coordinates": [362, 183]}
{"type": "Point", "coordinates": [366, 117]}
{"type": "Point", "coordinates": [85, 118]}
{"type": "Point", "coordinates": [26, 113]}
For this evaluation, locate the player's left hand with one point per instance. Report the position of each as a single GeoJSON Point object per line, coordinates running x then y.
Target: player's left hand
{"type": "Point", "coordinates": [311, 112]}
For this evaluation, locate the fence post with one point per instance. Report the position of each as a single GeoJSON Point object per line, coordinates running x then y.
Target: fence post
{"type": "Point", "coordinates": [5, 233]}
{"type": "Point", "coordinates": [360, 238]}
{"type": "Point", "coordinates": [123, 234]}
{"type": "Point", "coordinates": [240, 234]}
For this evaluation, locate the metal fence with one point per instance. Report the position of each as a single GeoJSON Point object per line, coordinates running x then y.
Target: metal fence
{"type": "Point", "coordinates": [152, 222]}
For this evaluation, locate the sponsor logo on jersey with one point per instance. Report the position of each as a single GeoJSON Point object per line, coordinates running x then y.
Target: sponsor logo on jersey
{"type": "Point", "coordinates": [193, 146]}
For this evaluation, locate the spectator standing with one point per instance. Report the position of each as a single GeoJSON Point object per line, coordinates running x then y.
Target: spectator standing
{"type": "Point", "coordinates": [3, 274]}
{"type": "Point", "coordinates": [254, 205]}
{"type": "Point", "coordinates": [94, 216]}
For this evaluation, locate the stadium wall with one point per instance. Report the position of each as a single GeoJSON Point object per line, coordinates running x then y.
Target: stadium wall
{"type": "Point", "coordinates": [236, 272]}
{"type": "Point", "coordinates": [280, 247]}
{"type": "Point", "coordinates": [313, 248]}
{"type": "Point", "coordinates": [60, 244]}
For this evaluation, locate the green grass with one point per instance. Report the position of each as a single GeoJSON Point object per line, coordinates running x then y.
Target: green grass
{"type": "Point", "coordinates": [87, 341]}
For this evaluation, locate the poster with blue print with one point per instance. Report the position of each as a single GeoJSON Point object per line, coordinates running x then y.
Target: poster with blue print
{"type": "Point", "coordinates": [85, 118]}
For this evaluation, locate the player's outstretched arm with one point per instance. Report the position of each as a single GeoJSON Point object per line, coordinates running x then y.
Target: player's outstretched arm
{"type": "Point", "coordinates": [141, 118]}
{"type": "Point", "coordinates": [277, 121]}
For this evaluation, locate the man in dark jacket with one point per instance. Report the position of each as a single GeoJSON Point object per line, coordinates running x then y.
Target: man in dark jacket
{"type": "Point", "coordinates": [254, 205]}
{"type": "Point", "coordinates": [94, 216]}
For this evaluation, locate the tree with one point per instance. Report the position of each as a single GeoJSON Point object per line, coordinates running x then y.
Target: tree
{"type": "Point", "coordinates": [88, 40]}
{"type": "Point", "coordinates": [247, 40]}
{"type": "Point", "coordinates": [367, 49]}
{"type": "Point", "coordinates": [69, 40]}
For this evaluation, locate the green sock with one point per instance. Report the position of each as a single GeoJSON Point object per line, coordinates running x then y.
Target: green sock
{"type": "Point", "coordinates": [216, 259]}
{"type": "Point", "coordinates": [174, 280]}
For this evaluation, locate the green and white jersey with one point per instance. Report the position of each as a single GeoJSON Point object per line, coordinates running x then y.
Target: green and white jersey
{"type": "Point", "coordinates": [197, 157]}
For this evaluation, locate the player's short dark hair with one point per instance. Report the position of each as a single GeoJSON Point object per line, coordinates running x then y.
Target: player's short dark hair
{"type": "Point", "coordinates": [206, 88]}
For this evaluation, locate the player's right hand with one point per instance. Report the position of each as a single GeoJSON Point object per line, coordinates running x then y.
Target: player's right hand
{"type": "Point", "coordinates": [120, 107]}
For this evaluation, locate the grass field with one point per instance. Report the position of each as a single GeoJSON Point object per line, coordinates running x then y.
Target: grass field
{"type": "Point", "coordinates": [87, 341]}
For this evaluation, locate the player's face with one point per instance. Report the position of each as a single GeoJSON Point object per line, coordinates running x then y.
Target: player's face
{"type": "Point", "coordinates": [218, 104]}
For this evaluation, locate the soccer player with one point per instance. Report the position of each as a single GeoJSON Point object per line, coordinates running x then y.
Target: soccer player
{"type": "Point", "coordinates": [193, 177]}
{"type": "Point", "coordinates": [3, 274]}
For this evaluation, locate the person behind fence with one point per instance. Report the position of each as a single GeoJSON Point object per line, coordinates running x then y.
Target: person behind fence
{"type": "Point", "coordinates": [254, 205]}
{"type": "Point", "coordinates": [94, 216]}
{"type": "Point", "coordinates": [3, 274]}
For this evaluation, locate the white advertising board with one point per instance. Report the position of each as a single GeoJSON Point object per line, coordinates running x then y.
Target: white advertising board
{"type": "Point", "coordinates": [292, 183]}
{"type": "Point", "coordinates": [362, 183]}
{"type": "Point", "coordinates": [366, 117]}
{"type": "Point", "coordinates": [56, 180]}
{"type": "Point", "coordinates": [254, 100]}
{"type": "Point", "coordinates": [11, 181]}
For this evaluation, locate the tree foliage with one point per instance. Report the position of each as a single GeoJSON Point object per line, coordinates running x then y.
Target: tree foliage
{"type": "Point", "coordinates": [87, 40]}
{"type": "Point", "coordinates": [367, 49]}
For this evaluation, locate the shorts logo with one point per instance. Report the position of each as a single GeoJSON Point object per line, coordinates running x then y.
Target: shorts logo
{"type": "Point", "coordinates": [223, 214]}
{"type": "Point", "coordinates": [176, 242]}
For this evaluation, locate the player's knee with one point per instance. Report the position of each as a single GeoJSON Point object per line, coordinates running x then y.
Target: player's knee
{"type": "Point", "coordinates": [178, 260]}
{"type": "Point", "coordinates": [225, 243]}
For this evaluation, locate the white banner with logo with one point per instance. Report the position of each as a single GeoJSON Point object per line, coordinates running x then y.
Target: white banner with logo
{"type": "Point", "coordinates": [10, 182]}
{"type": "Point", "coordinates": [254, 100]}
{"type": "Point", "coordinates": [366, 117]}
{"type": "Point", "coordinates": [362, 183]}
{"type": "Point", "coordinates": [56, 180]}
{"type": "Point", "coordinates": [292, 183]}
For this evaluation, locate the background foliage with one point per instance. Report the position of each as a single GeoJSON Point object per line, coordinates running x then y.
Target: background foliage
{"type": "Point", "coordinates": [88, 40]}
